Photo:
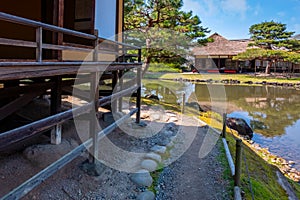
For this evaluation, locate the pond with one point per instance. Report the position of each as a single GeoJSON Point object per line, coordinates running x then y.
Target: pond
{"type": "Point", "coordinates": [272, 112]}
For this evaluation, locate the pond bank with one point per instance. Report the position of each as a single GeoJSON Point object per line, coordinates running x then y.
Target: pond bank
{"type": "Point", "coordinates": [259, 166]}
{"type": "Point", "coordinates": [275, 80]}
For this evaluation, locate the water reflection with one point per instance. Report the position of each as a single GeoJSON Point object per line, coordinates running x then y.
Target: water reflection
{"type": "Point", "coordinates": [272, 112]}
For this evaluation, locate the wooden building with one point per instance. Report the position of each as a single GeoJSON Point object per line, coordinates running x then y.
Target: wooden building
{"type": "Point", "coordinates": [217, 55]}
{"type": "Point", "coordinates": [46, 47]}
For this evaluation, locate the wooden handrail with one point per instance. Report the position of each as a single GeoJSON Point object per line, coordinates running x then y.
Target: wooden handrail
{"type": "Point", "coordinates": [67, 63]}
{"type": "Point", "coordinates": [36, 24]}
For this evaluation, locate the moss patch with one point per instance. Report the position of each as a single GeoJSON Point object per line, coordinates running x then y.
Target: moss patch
{"type": "Point", "coordinates": [262, 174]}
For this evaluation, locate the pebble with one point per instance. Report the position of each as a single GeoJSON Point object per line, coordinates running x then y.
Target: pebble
{"type": "Point", "coordinates": [173, 119]}
{"type": "Point", "coordinates": [291, 162]}
{"type": "Point", "coordinates": [142, 178]}
{"type": "Point", "coordinates": [159, 149]}
{"type": "Point", "coordinates": [149, 165]}
{"type": "Point", "coordinates": [153, 156]}
{"type": "Point", "coordinates": [164, 142]}
{"type": "Point", "coordinates": [155, 117]}
{"type": "Point", "coordinates": [170, 144]}
{"type": "Point", "coordinates": [171, 114]}
{"type": "Point", "coordinates": [147, 195]}
{"type": "Point", "coordinates": [168, 133]}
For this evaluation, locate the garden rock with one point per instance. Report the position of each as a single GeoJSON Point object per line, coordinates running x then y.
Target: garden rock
{"type": "Point", "coordinates": [147, 195]}
{"type": "Point", "coordinates": [159, 149]}
{"type": "Point", "coordinates": [142, 178]}
{"type": "Point", "coordinates": [153, 156]}
{"type": "Point", "coordinates": [150, 165]}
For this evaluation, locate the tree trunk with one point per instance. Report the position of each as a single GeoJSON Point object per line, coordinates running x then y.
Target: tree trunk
{"type": "Point", "coordinates": [147, 59]}
{"type": "Point", "coordinates": [145, 66]}
{"type": "Point", "coordinates": [268, 67]}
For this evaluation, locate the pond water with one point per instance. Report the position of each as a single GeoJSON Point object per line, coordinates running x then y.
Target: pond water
{"type": "Point", "coordinates": [272, 112]}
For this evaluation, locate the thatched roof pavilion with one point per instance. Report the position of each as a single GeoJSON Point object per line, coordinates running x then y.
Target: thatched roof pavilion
{"type": "Point", "coordinates": [222, 47]}
{"type": "Point", "coordinates": [220, 51]}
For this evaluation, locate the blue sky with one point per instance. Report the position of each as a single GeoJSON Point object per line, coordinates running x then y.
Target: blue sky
{"type": "Point", "coordinates": [232, 18]}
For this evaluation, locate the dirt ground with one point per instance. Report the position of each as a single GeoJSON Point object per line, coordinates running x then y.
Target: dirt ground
{"type": "Point", "coordinates": [190, 172]}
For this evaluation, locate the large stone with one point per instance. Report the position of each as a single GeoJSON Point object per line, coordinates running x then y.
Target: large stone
{"type": "Point", "coordinates": [159, 149]}
{"type": "Point", "coordinates": [142, 178]}
{"type": "Point", "coordinates": [149, 165]}
{"type": "Point", "coordinates": [153, 156]}
{"type": "Point", "coordinates": [147, 195]}
{"type": "Point", "coordinates": [164, 141]}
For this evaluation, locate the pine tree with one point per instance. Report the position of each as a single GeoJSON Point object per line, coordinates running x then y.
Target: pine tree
{"type": "Point", "coordinates": [163, 30]}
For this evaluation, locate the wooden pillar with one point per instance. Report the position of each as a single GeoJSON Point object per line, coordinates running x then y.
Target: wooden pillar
{"type": "Point", "coordinates": [58, 20]}
{"type": "Point", "coordinates": [121, 73]}
{"type": "Point", "coordinates": [39, 43]}
{"type": "Point", "coordinates": [94, 97]}
{"type": "Point", "coordinates": [219, 62]}
{"type": "Point", "coordinates": [139, 84]}
{"type": "Point", "coordinates": [115, 78]}
{"type": "Point", "coordinates": [56, 92]}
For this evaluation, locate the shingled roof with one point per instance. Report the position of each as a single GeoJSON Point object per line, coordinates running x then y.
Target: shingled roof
{"type": "Point", "coordinates": [222, 47]}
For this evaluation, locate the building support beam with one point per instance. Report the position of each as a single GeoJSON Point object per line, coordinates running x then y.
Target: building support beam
{"type": "Point", "coordinates": [56, 93]}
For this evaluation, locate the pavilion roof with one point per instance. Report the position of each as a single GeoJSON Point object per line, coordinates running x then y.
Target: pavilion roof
{"type": "Point", "coordinates": [222, 47]}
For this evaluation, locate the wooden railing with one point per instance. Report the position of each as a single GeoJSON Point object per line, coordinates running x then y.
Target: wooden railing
{"type": "Point", "coordinates": [91, 108]}
{"type": "Point", "coordinates": [118, 47]}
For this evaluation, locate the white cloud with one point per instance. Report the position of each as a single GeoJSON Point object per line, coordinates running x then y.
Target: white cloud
{"type": "Point", "coordinates": [213, 7]}
{"type": "Point", "coordinates": [235, 6]}
{"type": "Point", "coordinates": [281, 14]}
{"type": "Point", "coordinates": [201, 7]}
{"type": "Point", "coordinates": [257, 10]}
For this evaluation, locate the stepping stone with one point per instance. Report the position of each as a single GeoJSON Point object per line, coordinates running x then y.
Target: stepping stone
{"type": "Point", "coordinates": [163, 142]}
{"type": "Point", "coordinates": [149, 165]}
{"type": "Point", "coordinates": [147, 195]}
{"type": "Point", "coordinates": [159, 149]}
{"type": "Point", "coordinates": [142, 178]}
{"type": "Point", "coordinates": [153, 156]}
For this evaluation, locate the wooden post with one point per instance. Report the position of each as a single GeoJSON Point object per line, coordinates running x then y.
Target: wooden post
{"type": "Point", "coordinates": [121, 73]}
{"type": "Point", "coordinates": [238, 163]}
{"type": "Point", "coordinates": [56, 92]}
{"type": "Point", "coordinates": [60, 23]}
{"type": "Point", "coordinates": [94, 97]}
{"type": "Point", "coordinates": [115, 78]}
{"type": "Point", "coordinates": [96, 47]}
{"type": "Point", "coordinates": [224, 125]}
{"type": "Point", "coordinates": [183, 103]}
{"type": "Point", "coordinates": [58, 20]}
{"type": "Point", "coordinates": [39, 43]}
{"type": "Point", "coordinates": [139, 84]}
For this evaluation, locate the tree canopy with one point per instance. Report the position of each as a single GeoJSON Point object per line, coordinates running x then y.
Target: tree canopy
{"type": "Point", "coordinates": [271, 41]}
{"type": "Point", "coordinates": [163, 30]}
{"type": "Point", "coordinates": [269, 35]}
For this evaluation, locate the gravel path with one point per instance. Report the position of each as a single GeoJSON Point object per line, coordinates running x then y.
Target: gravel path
{"type": "Point", "coordinates": [187, 177]}
{"type": "Point", "coordinates": [191, 177]}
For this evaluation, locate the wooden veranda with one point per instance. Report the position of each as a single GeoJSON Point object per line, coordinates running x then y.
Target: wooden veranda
{"type": "Point", "coordinates": [22, 80]}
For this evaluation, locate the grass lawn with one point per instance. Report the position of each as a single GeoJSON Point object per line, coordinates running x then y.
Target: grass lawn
{"type": "Point", "coordinates": [219, 77]}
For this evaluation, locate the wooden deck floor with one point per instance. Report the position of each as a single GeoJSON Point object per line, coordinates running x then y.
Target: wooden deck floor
{"type": "Point", "coordinates": [17, 70]}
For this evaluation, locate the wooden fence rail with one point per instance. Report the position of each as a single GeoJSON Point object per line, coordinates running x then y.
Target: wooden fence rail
{"type": "Point", "coordinates": [11, 70]}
